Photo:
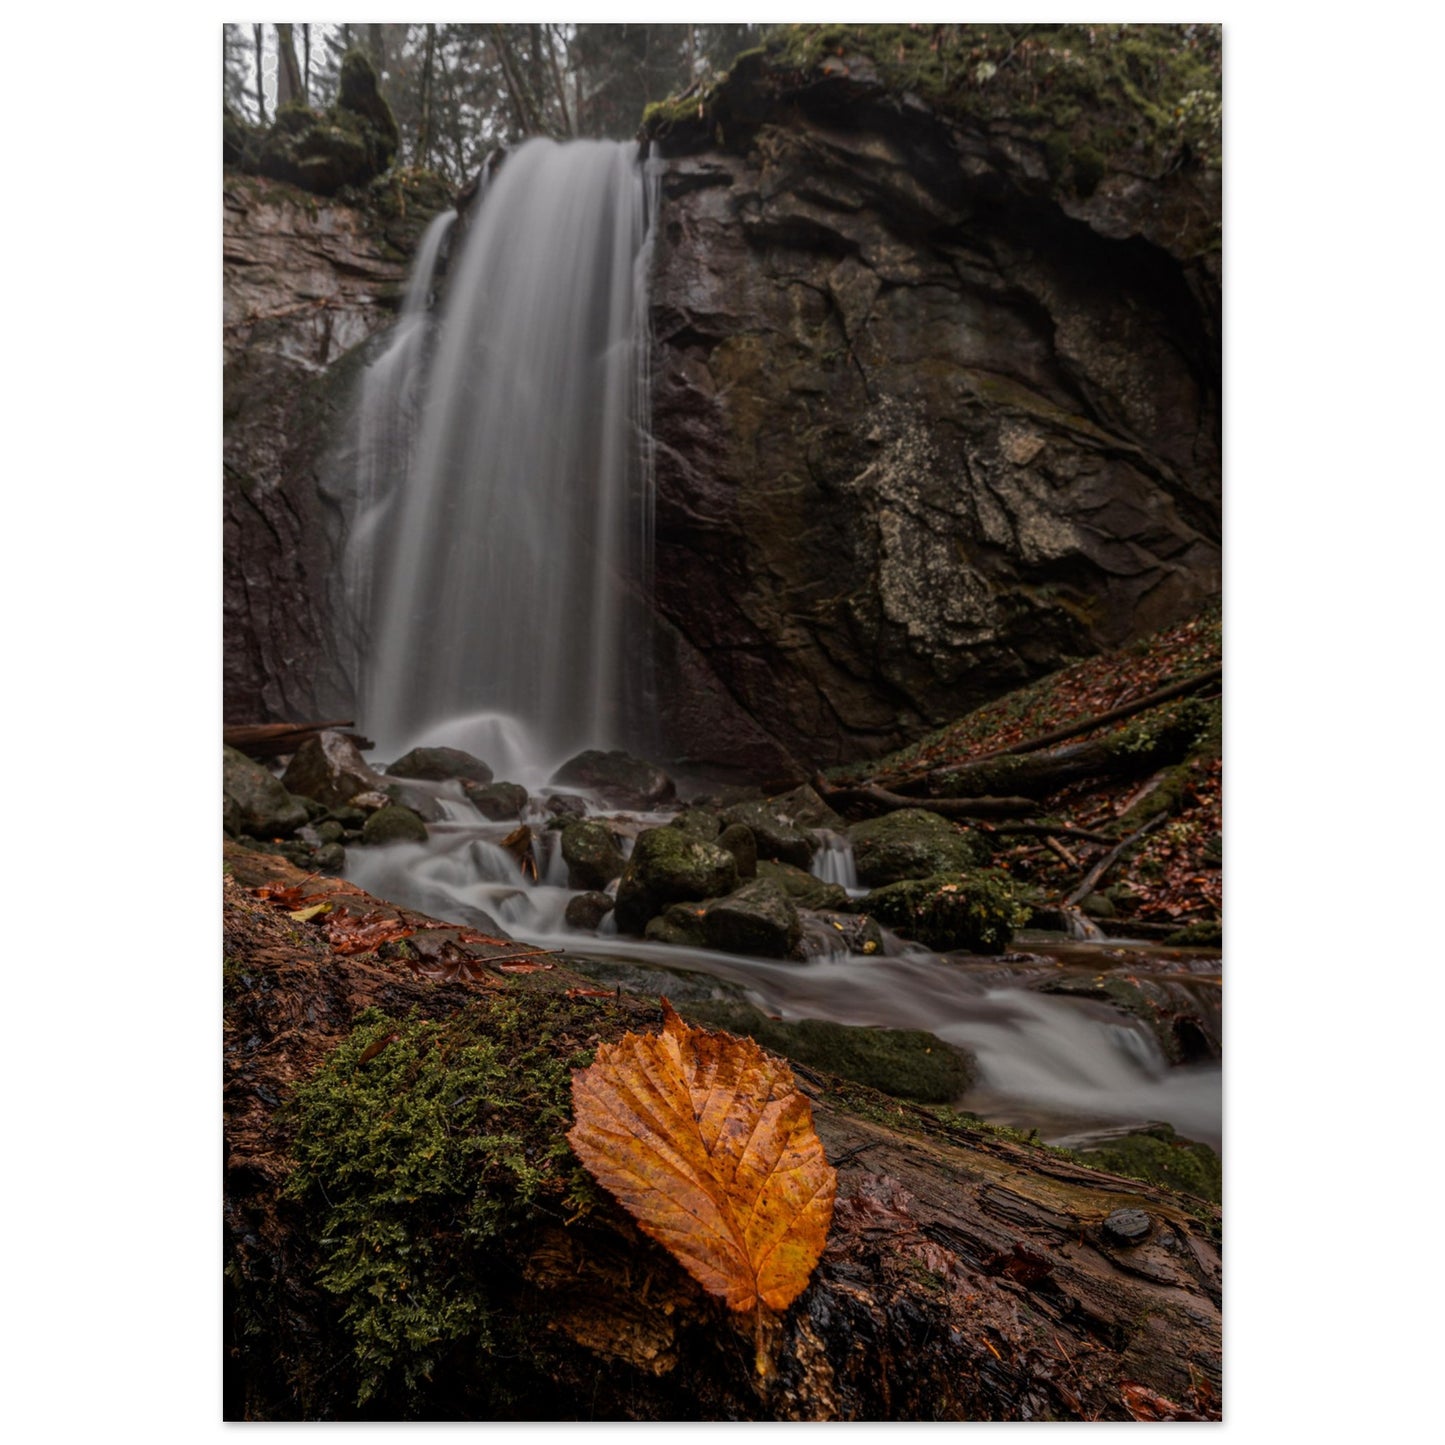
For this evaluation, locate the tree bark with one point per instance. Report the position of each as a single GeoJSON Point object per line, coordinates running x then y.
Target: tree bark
{"type": "Point", "coordinates": [966, 1276]}
{"type": "Point", "coordinates": [873, 799]}
{"type": "Point", "coordinates": [268, 740]}
{"type": "Point", "coordinates": [258, 34]}
{"type": "Point", "coordinates": [288, 72]}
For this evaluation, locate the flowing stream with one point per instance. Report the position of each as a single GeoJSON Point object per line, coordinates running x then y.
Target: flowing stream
{"type": "Point", "coordinates": [499, 545]}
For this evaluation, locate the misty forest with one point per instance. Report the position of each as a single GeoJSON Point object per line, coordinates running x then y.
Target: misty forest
{"type": "Point", "coordinates": [722, 691]}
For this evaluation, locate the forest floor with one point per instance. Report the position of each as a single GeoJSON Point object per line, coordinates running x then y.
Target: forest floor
{"type": "Point", "coordinates": [1172, 879]}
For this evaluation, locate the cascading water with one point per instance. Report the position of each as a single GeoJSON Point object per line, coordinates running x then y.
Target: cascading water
{"type": "Point", "coordinates": [508, 567]}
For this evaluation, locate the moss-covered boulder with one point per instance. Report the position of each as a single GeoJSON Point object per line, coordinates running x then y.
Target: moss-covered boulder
{"type": "Point", "coordinates": [1158, 1155]}
{"type": "Point", "coordinates": [348, 144]}
{"type": "Point", "coordinates": [759, 919]}
{"type": "Point", "coordinates": [679, 924]}
{"type": "Point", "coordinates": [906, 1063]}
{"type": "Point", "coordinates": [254, 801]}
{"type": "Point", "coordinates": [912, 843]}
{"type": "Point", "coordinates": [393, 824]}
{"type": "Point", "coordinates": [975, 912]}
{"type": "Point", "coordinates": [618, 778]}
{"type": "Point", "coordinates": [330, 768]}
{"type": "Point", "coordinates": [669, 867]}
{"type": "Point", "coordinates": [805, 890]}
{"type": "Point", "coordinates": [437, 765]}
{"type": "Point", "coordinates": [591, 853]}
{"type": "Point", "coordinates": [497, 801]}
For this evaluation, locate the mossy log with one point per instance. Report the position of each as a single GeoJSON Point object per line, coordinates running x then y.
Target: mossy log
{"type": "Point", "coordinates": [968, 1274]}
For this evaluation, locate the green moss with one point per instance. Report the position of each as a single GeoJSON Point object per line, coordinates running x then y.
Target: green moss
{"type": "Point", "coordinates": [976, 911]}
{"type": "Point", "coordinates": [1158, 1156]}
{"type": "Point", "coordinates": [415, 1167]}
{"type": "Point", "coordinates": [904, 1063]}
{"type": "Point", "coordinates": [1092, 97]}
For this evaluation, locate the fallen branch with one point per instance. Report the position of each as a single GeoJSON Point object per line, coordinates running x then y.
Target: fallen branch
{"type": "Point", "coordinates": [1047, 831]}
{"type": "Point", "coordinates": [879, 800]}
{"type": "Point", "coordinates": [265, 740]}
{"type": "Point", "coordinates": [1091, 878]}
{"type": "Point", "coordinates": [1071, 730]}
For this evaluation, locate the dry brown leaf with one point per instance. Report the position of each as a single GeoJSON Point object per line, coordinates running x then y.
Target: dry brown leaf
{"type": "Point", "coordinates": [705, 1140]}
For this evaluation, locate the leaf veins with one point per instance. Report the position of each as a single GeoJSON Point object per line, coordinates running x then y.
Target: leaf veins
{"type": "Point", "coordinates": [705, 1140]}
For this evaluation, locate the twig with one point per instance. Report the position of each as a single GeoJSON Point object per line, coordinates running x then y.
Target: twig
{"type": "Point", "coordinates": [1092, 877]}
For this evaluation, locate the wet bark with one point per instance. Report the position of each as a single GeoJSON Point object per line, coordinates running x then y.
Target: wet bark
{"type": "Point", "coordinates": [967, 1275]}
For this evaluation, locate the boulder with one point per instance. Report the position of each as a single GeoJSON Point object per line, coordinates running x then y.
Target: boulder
{"type": "Point", "coordinates": [566, 805]}
{"type": "Point", "coordinates": [437, 765]}
{"type": "Point", "coordinates": [759, 919]}
{"type": "Point", "coordinates": [591, 853]}
{"type": "Point", "coordinates": [394, 824]}
{"type": "Point", "coordinates": [912, 843]}
{"type": "Point", "coordinates": [669, 867]}
{"type": "Point", "coordinates": [412, 795]}
{"type": "Point", "coordinates": [906, 1063]}
{"type": "Point", "coordinates": [618, 778]}
{"type": "Point", "coordinates": [698, 823]}
{"type": "Point", "coordinates": [254, 801]}
{"type": "Point", "coordinates": [679, 925]}
{"type": "Point", "coordinates": [828, 932]}
{"type": "Point", "coordinates": [330, 768]}
{"type": "Point", "coordinates": [587, 910]}
{"type": "Point", "coordinates": [974, 912]}
{"type": "Point", "coordinates": [497, 801]}
{"type": "Point", "coordinates": [803, 888]}
{"type": "Point", "coordinates": [774, 832]}
{"type": "Point", "coordinates": [737, 839]}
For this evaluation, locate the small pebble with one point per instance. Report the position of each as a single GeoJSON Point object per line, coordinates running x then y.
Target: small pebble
{"type": "Point", "coordinates": [1127, 1226]}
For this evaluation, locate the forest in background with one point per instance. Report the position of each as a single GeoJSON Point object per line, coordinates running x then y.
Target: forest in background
{"type": "Point", "coordinates": [459, 91]}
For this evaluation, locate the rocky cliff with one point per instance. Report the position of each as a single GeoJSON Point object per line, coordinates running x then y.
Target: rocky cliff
{"type": "Point", "coordinates": [936, 374]}
{"type": "Point", "coordinates": [305, 284]}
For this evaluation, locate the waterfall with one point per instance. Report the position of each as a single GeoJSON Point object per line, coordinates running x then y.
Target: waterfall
{"type": "Point", "coordinates": [505, 568]}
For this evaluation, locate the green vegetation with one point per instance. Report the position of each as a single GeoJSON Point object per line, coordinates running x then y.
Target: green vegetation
{"type": "Point", "coordinates": [420, 1147]}
{"type": "Point", "coordinates": [904, 1063]}
{"type": "Point", "coordinates": [1093, 97]}
{"type": "Point", "coordinates": [976, 911]}
{"type": "Point", "coordinates": [1158, 1156]}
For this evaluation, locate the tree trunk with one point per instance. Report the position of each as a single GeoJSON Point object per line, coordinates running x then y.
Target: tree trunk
{"type": "Point", "coordinates": [376, 46]}
{"type": "Point", "coordinates": [258, 33]}
{"type": "Point", "coordinates": [288, 73]}
{"type": "Point", "coordinates": [423, 140]}
{"type": "Point", "coordinates": [306, 64]}
{"type": "Point", "coordinates": [966, 1276]}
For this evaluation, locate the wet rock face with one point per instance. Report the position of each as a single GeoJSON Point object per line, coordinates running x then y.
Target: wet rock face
{"type": "Point", "coordinates": [306, 284]}
{"type": "Point", "coordinates": [924, 430]}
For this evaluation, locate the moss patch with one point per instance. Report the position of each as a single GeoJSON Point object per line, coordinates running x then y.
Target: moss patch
{"type": "Point", "coordinates": [420, 1147]}
{"type": "Point", "coordinates": [1159, 1156]}
{"type": "Point", "coordinates": [976, 911]}
{"type": "Point", "coordinates": [903, 1063]}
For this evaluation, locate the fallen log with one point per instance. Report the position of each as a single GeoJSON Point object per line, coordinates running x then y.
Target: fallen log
{"type": "Point", "coordinates": [1070, 730]}
{"type": "Point", "coordinates": [967, 1274]}
{"type": "Point", "coordinates": [875, 800]}
{"type": "Point", "coordinates": [269, 740]}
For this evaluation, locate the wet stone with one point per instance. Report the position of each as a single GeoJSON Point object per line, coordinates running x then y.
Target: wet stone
{"type": "Point", "coordinates": [1127, 1226]}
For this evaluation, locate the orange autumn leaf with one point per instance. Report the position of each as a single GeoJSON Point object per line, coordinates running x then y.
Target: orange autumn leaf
{"type": "Point", "coordinates": [706, 1142]}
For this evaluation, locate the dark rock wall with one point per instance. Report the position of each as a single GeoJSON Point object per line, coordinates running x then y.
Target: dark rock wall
{"type": "Point", "coordinates": [306, 283]}
{"type": "Point", "coordinates": [927, 425]}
